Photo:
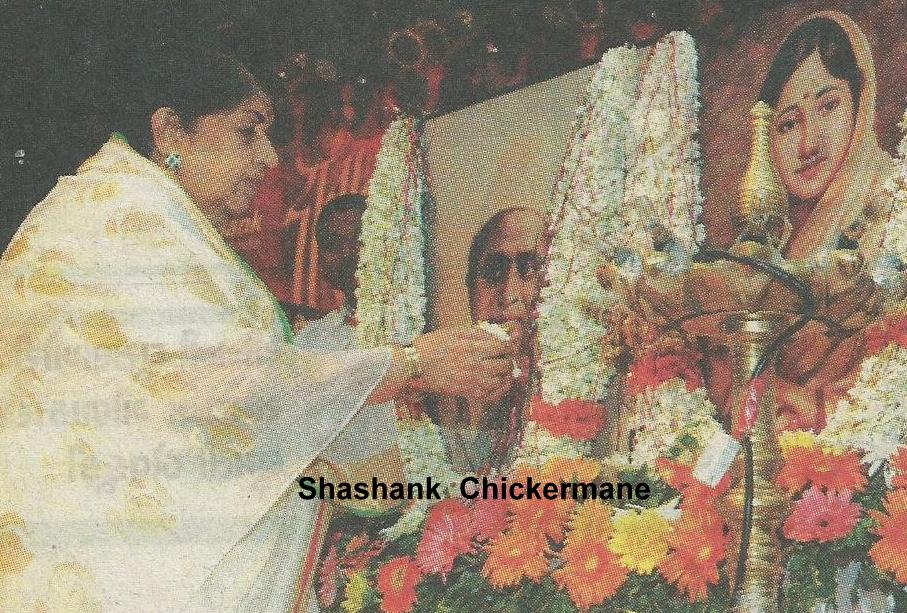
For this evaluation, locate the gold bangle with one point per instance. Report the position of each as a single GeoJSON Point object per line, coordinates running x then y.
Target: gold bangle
{"type": "Point", "coordinates": [412, 362]}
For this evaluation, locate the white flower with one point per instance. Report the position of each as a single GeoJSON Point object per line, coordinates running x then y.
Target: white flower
{"type": "Point", "coordinates": [670, 416]}
{"type": "Point", "coordinates": [391, 270]}
{"type": "Point", "coordinates": [872, 416]}
{"type": "Point", "coordinates": [584, 213]}
{"type": "Point", "coordinates": [539, 445]}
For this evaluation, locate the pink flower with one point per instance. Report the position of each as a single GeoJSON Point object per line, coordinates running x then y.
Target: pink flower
{"type": "Point", "coordinates": [448, 533]}
{"type": "Point", "coordinates": [822, 517]}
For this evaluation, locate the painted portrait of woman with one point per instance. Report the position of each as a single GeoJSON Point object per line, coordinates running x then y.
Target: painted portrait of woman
{"type": "Point", "coordinates": [822, 87]}
{"type": "Point", "coordinates": [821, 84]}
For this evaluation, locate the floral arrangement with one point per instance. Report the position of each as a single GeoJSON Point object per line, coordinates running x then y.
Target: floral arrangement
{"type": "Point", "coordinates": [561, 554]}
{"type": "Point", "coordinates": [584, 211]}
{"type": "Point", "coordinates": [842, 514]}
{"type": "Point", "coordinates": [634, 158]}
{"type": "Point", "coordinates": [391, 299]}
{"type": "Point", "coordinates": [872, 417]}
{"type": "Point", "coordinates": [391, 272]}
{"type": "Point", "coordinates": [663, 159]}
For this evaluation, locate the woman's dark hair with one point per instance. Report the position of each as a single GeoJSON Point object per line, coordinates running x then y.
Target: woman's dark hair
{"type": "Point", "coordinates": [193, 81]}
{"type": "Point", "coordinates": [340, 204]}
{"type": "Point", "coordinates": [835, 50]}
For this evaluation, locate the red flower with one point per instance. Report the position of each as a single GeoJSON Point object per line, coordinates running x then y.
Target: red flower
{"type": "Point", "coordinates": [489, 517]}
{"type": "Point", "coordinates": [834, 472]}
{"type": "Point", "coordinates": [653, 369]}
{"type": "Point", "coordinates": [581, 420]}
{"type": "Point", "coordinates": [822, 517]}
{"type": "Point", "coordinates": [448, 534]}
{"type": "Point", "coordinates": [888, 331]}
{"type": "Point", "coordinates": [695, 493]}
{"type": "Point", "coordinates": [397, 582]}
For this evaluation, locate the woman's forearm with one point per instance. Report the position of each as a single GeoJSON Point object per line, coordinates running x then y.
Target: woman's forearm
{"type": "Point", "coordinates": [395, 381]}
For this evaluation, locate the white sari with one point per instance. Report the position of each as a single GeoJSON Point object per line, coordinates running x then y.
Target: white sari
{"type": "Point", "coordinates": [154, 413]}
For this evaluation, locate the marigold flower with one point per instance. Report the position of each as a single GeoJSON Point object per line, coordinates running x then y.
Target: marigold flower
{"type": "Point", "coordinates": [514, 555]}
{"type": "Point", "coordinates": [397, 582]}
{"type": "Point", "coordinates": [888, 552]}
{"type": "Point", "coordinates": [546, 517]}
{"type": "Point", "coordinates": [699, 544]}
{"type": "Point", "coordinates": [580, 420]}
{"type": "Point", "coordinates": [591, 573]}
{"type": "Point", "coordinates": [822, 517]}
{"type": "Point", "coordinates": [640, 539]}
{"type": "Point", "coordinates": [823, 469]}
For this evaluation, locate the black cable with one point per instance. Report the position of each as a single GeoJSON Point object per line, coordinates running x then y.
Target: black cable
{"type": "Point", "coordinates": [805, 294]}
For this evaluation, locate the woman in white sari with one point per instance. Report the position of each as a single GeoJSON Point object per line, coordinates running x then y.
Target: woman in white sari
{"type": "Point", "coordinates": [154, 413]}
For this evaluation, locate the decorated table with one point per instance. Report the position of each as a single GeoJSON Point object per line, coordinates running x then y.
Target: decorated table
{"type": "Point", "coordinates": [741, 515]}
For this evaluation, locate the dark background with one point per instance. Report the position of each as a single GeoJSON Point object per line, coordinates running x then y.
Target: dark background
{"type": "Point", "coordinates": [55, 58]}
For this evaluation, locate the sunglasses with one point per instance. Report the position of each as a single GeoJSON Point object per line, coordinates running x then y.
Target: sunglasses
{"type": "Point", "coordinates": [495, 268]}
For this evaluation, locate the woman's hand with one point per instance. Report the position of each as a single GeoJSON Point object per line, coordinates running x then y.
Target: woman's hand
{"type": "Point", "coordinates": [466, 362]}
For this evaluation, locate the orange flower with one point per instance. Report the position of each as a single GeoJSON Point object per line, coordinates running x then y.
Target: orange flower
{"type": "Point", "coordinates": [888, 553]}
{"type": "Point", "coordinates": [591, 573]}
{"type": "Point", "coordinates": [581, 470]}
{"type": "Point", "coordinates": [699, 544]}
{"type": "Point", "coordinates": [824, 469]}
{"type": "Point", "coordinates": [514, 555]}
{"type": "Point", "coordinates": [579, 419]}
{"type": "Point", "coordinates": [397, 582]}
{"type": "Point", "coordinates": [546, 517]}
{"type": "Point", "coordinates": [695, 493]}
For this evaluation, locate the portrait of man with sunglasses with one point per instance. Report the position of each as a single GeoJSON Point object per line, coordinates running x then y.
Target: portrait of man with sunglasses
{"type": "Point", "coordinates": [503, 278]}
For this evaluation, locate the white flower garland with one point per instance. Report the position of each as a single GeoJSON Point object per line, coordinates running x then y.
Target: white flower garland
{"type": "Point", "coordinates": [583, 210]}
{"type": "Point", "coordinates": [538, 446]}
{"type": "Point", "coordinates": [872, 416]}
{"type": "Point", "coordinates": [391, 270]}
{"type": "Point", "coordinates": [664, 160]}
{"type": "Point", "coordinates": [391, 295]}
{"type": "Point", "coordinates": [671, 415]}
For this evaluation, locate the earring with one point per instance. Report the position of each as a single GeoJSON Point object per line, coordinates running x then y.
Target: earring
{"type": "Point", "coordinates": [174, 162]}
